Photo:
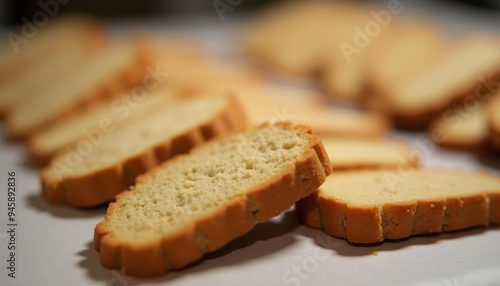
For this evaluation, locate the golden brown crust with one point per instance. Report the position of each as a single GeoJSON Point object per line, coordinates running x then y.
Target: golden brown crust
{"type": "Point", "coordinates": [372, 224]}
{"type": "Point", "coordinates": [102, 186]}
{"type": "Point", "coordinates": [209, 233]}
{"type": "Point", "coordinates": [130, 76]}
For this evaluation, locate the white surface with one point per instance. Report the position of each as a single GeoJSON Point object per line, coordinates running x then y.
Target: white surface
{"type": "Point", "coordinates": [54, 242]}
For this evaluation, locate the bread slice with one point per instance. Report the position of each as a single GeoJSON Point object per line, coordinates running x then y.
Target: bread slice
{"type": "Point", "coordinates": [267, 103]}
{"type": "Point", "coordinates": [470, 63]}
{"type": "Point", "coordinates": [27, 49]}
{"type": "Point", "coordinates": [45, 74]}
{"type": "Point", "coordinates": [404, 49]}
{"type": "Point", "coordinates": [93, 173]}
{"type": "Point", "coordinates": [287, 37]}
{"type": "Point", "coordinates": [210, 76]}
{"type": "Point", "coordinates": [370, 206]}
{"type": "Point", "coordinates": [115, 68]}
{"type": "Point", "coordinates": [199, 202]}
{"type": "Point", "coordinates": [115, 113]}
{"type": "Point", "coordinates": [362, 153]}
{"type": "Point", "coordinates": [493, 114]}
{"type": "Point", "coordinates": [463, 127]}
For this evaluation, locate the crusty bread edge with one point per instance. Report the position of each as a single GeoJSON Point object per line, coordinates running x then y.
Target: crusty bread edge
{"type": "Point", "coordinates": [102, 186]}
{"type": "Point", "coordinates": [372, 224]}
{"type": "Point", "coordinates": [182, 248]}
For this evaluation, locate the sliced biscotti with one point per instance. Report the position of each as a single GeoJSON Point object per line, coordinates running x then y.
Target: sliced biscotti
{"type": "Point", "coordinates": [370, 206]}
{"type": "Point", "coordinates": [463, 127]}
{"type": "Point", "coordinates": [403, 50]}
{"type": "Point", "coordinates": [199, 202]}
{"type": "Point", "coordinates": [95, 123]}
{"type": "Point", "coordinates": [93, 173]}
{"type": "Point", "coordinates": [493, 114]}
{"type": "Point", "coordinates": [463, 71]}
{"type": "Point", "coordinates": [270, 104]}
{"type": "Point", "coordinates": [47, 73]}
{"type": "Point", "coordinates": [113, 69]}
{"type": "Point", "coordinates": [211, 76]}
{"type": "Point", "coordinates": [30, 47]}
{"type": "Point", "coordinates": [288, 36]}
{"type": "Point", "coordinates": [363, 153]}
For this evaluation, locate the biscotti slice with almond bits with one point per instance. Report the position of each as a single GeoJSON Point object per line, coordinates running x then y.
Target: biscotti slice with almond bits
{"type": "Point", "coordinates": [197, 203]}
{"type": "Point", "coordinates": [371, 206]}
{"type": "Point", "coordinates": [93, 173]}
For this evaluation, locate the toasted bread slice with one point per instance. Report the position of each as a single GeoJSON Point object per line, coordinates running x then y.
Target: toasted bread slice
{"type": "Point", "coordinates": [30, 47]}
{"type": "Point", "coordinates": [272, 104]}
{"type": "Point", "coordinates": [407, 47]}
{"type": "Point", "coordinates": [360, 153]}
{"type": "Point", "coordinates": [370, 206]}
{"type": "Point", "coordinates": [112, 70]}
{"type": "Point", "coordinates": [199, 202]}
{"type": "Point", "coordinates": [461, 72]}
{"type": "Point", "coordinates": [47, 73]}
{"type": "Point", "coordinates": [463, 127]}
{"type": "Point", "coordinates": [100, 170]}
{"type": "Point", "coordinates": [104, 118]}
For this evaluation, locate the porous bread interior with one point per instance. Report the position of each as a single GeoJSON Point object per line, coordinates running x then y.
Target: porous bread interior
{"type": "Point", "coordinates": [69, 131]}
{"type": "Point", "coordinates": [345, 152]}
{"type": "Point", "coordinates": [376, 188]}
{"type": "Point", "coordinates": [91, 76]}
{"type": "Point", "coordinates": [207, 179]}
{"type": "Point", "coordinates": [141, 136]}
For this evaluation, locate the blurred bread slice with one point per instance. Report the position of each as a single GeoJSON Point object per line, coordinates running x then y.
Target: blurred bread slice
{"type": "Point", "coordinates": [373, 205]}
{"type": "Point", "coordinates": [359, 153]}
{"type": "Point", "coordinates": [407, 47]}
{"type": "Point", "coordinates": [108, 72]}
{"type": "Point", "coordinates": [23, 51]}
{"type": "Point", "coordinates": [272, 104]}
{"type": "Point", "coordinates": [210, 76]}
{"type": "Point", "coordinates": [45, 74]}
{"type": "Point", "coordinates": [287, 37]}
{"type": "Point", "coordinates": [464, 128]}
{"type": "Point", "coordinates": [104, 118]}
{"type": "Point", "coordinates": [462, 71]}
{"type": "Point", "coordinates": [493, 114]}
{"type": "Point", "coordinates": [111, 166]}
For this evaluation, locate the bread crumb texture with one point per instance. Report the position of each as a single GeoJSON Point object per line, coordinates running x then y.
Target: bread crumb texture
{"type": "Point", "coordinates": [196, 185]}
